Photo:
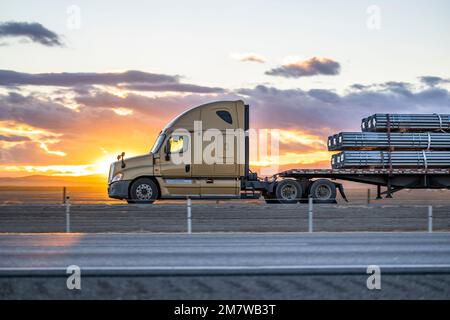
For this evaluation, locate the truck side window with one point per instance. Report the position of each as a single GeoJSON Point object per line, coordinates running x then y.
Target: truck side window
{"type": "Point", "coordinates": [178, 144]}
{"type": "Point", "coordinates": [225, 116]}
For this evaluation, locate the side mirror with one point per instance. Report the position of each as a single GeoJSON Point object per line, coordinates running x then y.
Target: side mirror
{"type": "Point", "coordinates": [120, 156]}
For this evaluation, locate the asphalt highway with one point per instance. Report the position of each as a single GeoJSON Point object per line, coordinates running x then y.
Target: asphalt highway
{"type": "Point", "coordinates": [222, 252]}
{"type": "Point", "coordinates": [225, 265]}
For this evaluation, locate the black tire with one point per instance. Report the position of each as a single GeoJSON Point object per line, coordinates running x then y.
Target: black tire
{"type": "Point", "coordinates": [323, 191]}
{"type": "Point", "coordinates": [288, 191]}
{"type": "Point", "coordinates": [143, 190]}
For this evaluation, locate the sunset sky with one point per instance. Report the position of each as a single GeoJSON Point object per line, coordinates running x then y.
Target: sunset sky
{"type": "Point", "coordinates": [81, 81]}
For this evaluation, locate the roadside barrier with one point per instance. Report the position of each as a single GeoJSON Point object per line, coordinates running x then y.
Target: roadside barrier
{"type": "Point", "coordinates": [195, 215]}
{"type": "Point", "coordinates": [189, 216]}
{"type": "Point", "coordinates": [67, 205]}
{"type": "Point", "coordinates": [430, 219]}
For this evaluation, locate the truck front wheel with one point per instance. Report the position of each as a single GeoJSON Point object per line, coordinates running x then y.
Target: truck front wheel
{"type": "Point", "coordinates": [143, 190]}
{"type": "Point", "coordinates": [288, 191]}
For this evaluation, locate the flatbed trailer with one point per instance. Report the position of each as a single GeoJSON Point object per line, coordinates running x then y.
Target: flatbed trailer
{"type": "Point", "coordinates": [393, 179]}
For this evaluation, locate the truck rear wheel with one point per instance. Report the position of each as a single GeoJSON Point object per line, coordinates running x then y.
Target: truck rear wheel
{"type": "Point", "coordinates": [323, 191]}
{"type": "Point", "coordinates": [143, 190]}
{"type": "Point", "coordinates": [288, 191]}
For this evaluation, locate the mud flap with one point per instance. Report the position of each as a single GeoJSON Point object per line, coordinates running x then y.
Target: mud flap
{"type": "Point", "coordinates": [340, 187]}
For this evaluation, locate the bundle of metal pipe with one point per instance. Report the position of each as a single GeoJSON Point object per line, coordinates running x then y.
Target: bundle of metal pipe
{"type": "Point", "coordinates": [381, 140]}
{"type": "Point", "coordinates": [406, 122]}
{"type": "Point", "coordinates": [399, 159]}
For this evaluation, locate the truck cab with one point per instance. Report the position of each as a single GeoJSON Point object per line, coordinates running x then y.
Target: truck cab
{"type": "Point", "coordinates": [202, 153]}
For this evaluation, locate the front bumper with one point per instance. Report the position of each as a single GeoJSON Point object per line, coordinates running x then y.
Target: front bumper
{"type": "Point", "coordinates": [119, 189]}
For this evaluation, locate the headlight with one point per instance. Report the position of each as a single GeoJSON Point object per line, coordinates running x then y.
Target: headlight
{"type": "Point", "coordinates": [117, 177]}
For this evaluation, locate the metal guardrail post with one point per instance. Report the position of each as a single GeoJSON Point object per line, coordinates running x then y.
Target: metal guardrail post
{"type": "Point", "coordinates": [430, 219]}
{"type": "Point", "coordinates": [189, 216]}
{"type": "Point", "coordinates": [310, 214]}
{"type": "Point", "coordinates": [67, 204]}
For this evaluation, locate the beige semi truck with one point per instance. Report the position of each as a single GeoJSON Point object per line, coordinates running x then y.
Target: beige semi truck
{"type": "Point", "coordinates": [204, 153]}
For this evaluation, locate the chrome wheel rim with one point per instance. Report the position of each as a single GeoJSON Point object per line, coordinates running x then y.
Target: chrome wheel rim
{"type": "Point", "coordinates": [144, 192]}
{"type": "Point", "coordinates": [323, 192]}
{"type": "Point", "coordinates": [289, 192]}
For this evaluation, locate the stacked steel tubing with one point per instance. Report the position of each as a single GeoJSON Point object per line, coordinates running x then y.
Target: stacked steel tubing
{"type": "Point", "coordinates": [406, 122]}
{"type": "Point", "coordinates": [381, 141]}
{"type": "Point", "coordinates": [382, 159]}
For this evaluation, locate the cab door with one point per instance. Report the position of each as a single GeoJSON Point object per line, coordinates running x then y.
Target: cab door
{"type": "Point", "coordinates": [219, 180]}
{"type": "Point", "coordinates": [176, 167]}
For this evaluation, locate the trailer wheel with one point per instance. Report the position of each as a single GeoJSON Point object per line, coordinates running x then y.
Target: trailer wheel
{"type": "Point", "coordinates": [288, 191]}
{"type": "Point", "coordinates": [323, 191]}
{"type": "Point", "coordinates": [143, 190]}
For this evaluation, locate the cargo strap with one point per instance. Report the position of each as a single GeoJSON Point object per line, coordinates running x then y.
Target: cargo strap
{"type": "Point", "coordinates": [429, 141]}
{"type": "Point", "coordinates": [425, 160]}
{"type": "Point", "coordinates": [440, 121]}
{"type": "Point", "coordinates": [389, 142]}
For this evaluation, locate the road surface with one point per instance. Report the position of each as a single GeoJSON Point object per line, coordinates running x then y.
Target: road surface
{"type": "Point", "coordinates": [221, 266]}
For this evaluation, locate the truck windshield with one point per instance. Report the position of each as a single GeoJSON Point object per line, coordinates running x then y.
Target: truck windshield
{"type": "Point", "coordinates": [159, 141]}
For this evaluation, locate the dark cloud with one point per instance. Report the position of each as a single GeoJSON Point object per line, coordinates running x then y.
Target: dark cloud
{"type": "Point", "coordinates": [40, 111]}
{"type": "Point", "coordinates": [323, 95]}
{"type": "Point", "coordinates": [13, 138]}
{"type": "Point", "coordinates": [82, 82]}
{"type": "Point", "coordinates": [311, 67]}
{"type": "Point", "coordinates": [358, 86]}
{"type": "Point", "coordinates": [67, 79]}
{"type": "Point", "coordinates": [51, 114]}
{"type": "Point", "coordinates": [162, 107]}
{"type": "Point", "coordinates": [35, 112]}
{"type": "Point", "coordinates": [316, 111]}
{"type": "Point", "coordinates": [173, 87]}
{"type": "Point", "coordinates": [433, 81]}
{"type": "Point", "coordinates": [147, 105]}
{"type": "Point", "coordinates": [323, 112]}
{"type": "Point", "coordinates": [401, 88]}
{"type": "Point", "coordinates": [34, 31]}
{"type": "Point", "coordinates": [93, 124]}
{"type": "Point", "coordinates": [397, 84]}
